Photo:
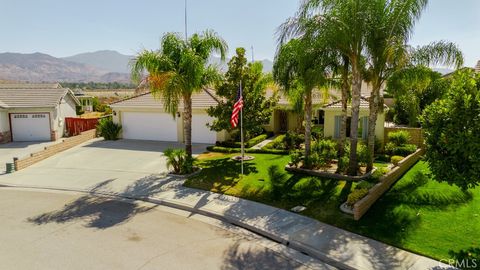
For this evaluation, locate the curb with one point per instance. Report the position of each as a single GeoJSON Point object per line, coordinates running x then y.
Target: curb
{"type": "Point", "coordinates": [303, 248]}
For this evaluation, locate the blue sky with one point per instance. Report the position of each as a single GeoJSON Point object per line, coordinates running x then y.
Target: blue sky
{"type": "Point", "coordinates": [66, 27]}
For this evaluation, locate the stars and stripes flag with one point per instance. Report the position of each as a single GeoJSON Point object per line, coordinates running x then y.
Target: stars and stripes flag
{"type": "Point", "coordinates": [237, 107]}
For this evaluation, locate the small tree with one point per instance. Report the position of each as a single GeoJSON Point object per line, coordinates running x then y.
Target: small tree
{"type": "Point", "coordinates": [452, 128]}
{"type": "Point", "coordinates": [258, 108]}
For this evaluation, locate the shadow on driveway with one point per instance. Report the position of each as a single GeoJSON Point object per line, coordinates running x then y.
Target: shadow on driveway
{"type": "Point", "coordinates": [140, 145]}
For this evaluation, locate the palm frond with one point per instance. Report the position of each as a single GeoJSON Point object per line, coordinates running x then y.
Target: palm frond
{"type": "Point", "coordinates": [438, 53]}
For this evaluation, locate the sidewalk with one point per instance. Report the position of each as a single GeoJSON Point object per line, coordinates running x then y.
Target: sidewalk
{"type": "Point", "coordinates": [332, 245]}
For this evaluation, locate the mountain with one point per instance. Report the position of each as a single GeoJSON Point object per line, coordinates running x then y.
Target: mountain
{"type": "Point", "coordinates": [39, 67]}
{"type": "Point", "coordinates": [111, 61]}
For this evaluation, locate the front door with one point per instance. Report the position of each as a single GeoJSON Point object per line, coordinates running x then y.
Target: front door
{"type": "Point", "coordinates": [283, 118]}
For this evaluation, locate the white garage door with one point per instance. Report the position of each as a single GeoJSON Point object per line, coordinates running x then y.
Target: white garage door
{"type": "Point", "coordinates": [149, 126]}
{"type": "Point", "coordinates": [200, 132]}
{"type": "Point", "coordinates": [30, 127]}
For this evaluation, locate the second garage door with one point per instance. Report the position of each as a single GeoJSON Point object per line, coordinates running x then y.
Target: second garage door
{"type": "Point", "coordinates": [149, 126]}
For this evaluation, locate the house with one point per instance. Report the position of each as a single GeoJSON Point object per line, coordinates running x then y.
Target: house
{"type": "Point", "coordinates": [143, 117]}
{"type": "Point", "coordinates": [333, 118]}
{"type": "Point", "coordinates": [86, 101]}
{"type": "Point", "coordinates": [34, 112]}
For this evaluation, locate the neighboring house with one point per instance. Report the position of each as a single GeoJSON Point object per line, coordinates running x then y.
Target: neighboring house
{"type": "Point", "coordinates": [333, 118]}
{"type": "Point", "coordinates": [34, 112]}
{"type": "Point", "coordinates": [477, 67]}
{"type": "Point", "coordinates": [86, 101]}
{"type": "Point", "coordinates": [144, 118]}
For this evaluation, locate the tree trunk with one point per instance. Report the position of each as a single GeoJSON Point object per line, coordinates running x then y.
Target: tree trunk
{"type": "Point", "coordinates": [345, 90]}
{"type": "Point", "coordinates": [308, 123]}
{"type": "Point", "coordinates": [187, 123]}
{"type": "Point", "coordinates": [374, 103]}
{"type": "Point", "coordinates": [356, 91]}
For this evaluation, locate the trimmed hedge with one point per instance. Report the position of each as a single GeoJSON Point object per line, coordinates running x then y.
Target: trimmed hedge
{"type": "Point", "coordinates": [252, 142]}
{"type": "Point", "coordinates": [403, 150]}
{"type": "Point", "coordinates": [228, 150]}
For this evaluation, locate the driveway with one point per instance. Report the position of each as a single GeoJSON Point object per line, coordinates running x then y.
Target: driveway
{"type": "Point", "coordinates": [19, 149]}
{"type": "Point", "coordinates": [104, 165]}
{"type": "Point", "coordinates": [59, 230]}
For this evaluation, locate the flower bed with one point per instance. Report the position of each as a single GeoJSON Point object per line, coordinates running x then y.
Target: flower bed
{"type": "Point", "coordinates": [330, 172]}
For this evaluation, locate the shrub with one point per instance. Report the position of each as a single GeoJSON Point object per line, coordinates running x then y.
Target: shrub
{"type": "Point", "coordinates": [313, 161]}
{"type": "Point", "coordinates": [293, 140]}
{"type": "Point", "coordinates": [79, 110]}
{"type": "Point", "coordinates": [277, 143]}
{"type": "Point", "coordinates": [362, 154]}
{"type": "Point", "coordinates": [317, 132]}
{"type": "Point", "coordinates": [383, 158]}
{"type": "Point", "coordinates": [378, 173]}
{"type": "Point", "coordinates": [399, 138]}
{"type": "Point", "coordinates": [364, 185]}
{"type": "Point", "coordinates": [256, 140]}
{"type": "Point", "coordinates": [326, 149]}
{"type": "Point", "coordinates": [396, 159]}
{"type": "Point", "coordinates": [378, 146]}
{"type": "Point", "coordinates": [356, 195]}
{"type": "Point", "coordinates": [179, 161]}
{"type": "Point", "coordinates": [306, 190]}
{"type": "Point", "coordinates": [295, 157]}
{"type": "Point", "coordinates": [228, 150]}
{"type": "Point", "coordinates": [108, 129]}
{"type": "Point", "coordinates": [403, 150]}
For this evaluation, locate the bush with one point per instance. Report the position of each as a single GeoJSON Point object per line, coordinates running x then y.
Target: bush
{"type": "Point", "coordinates": [399, 138]}
{"type": "Point", "coordinates": [362, 154]}
{"type": "Point", "coordinates": [317, 132]}
{"type": "Point", "coordinates": [277, 180]}
{"type": "Point", "coordinates": [378, 146]}
{"type": "Point", "coordinates": [378, 173]}
{"type": "Point", "coordinates": [314, 161]}
{"type": "Point", "coordinates": [364, 185]}
{"type": "Point", "coordinates": [79, 110]}
{"type": "Point", "coordinates": [295, 157]}
{"type": "Point", "coordinates": [277, 143]}
{"type": "Point", "coordinates": [356, 195]}
{"type": "Point", "coordinates": [326, 149]}
{"type": "Point", "coordinates": [228, 150]}
{"type": "Point", "coordinates": [179, 161]}
{"type": "Point", "coordinates": [256, 140]}
{"type": "Point", "coordinates": [108, 129]}
{"type": "Point", "coordinates": [403, 150]}
{"type": "Point", "coordinates": [396, 159]}
{"type": "Point", "coordinates": [293, 140]}
{"type": "Point", "coordinates": [306, 190]}
{"type": "Point", "coordinates": [383, 158]}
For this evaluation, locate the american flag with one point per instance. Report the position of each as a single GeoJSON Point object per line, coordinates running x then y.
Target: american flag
{"type": "Point", "coordinates": [237, 107]}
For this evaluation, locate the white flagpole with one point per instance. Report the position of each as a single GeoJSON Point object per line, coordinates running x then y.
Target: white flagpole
{"type": "Point", "coordinates": [241, 125]}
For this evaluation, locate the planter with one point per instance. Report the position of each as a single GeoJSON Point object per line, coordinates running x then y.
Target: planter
{"type": "Point", "coordinates": [245, 158]}
{"type": "Point", "coordinates": [329, 175]}
{"type": "Point", "coordinates": [185, 176]}
{"type": "Point", "coordinates": [346, 209]}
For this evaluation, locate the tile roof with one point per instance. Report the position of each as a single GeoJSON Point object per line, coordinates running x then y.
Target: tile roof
{"type": "Point", "coordinates": [201, 100]}
{"type": "Point", "coordinates": [31, 98]}
{"type": "Point", "coordinates": [30, 86]}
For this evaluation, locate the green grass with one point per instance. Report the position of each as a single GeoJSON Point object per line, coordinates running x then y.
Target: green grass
{"type": "Point", "coordinates": [426, 217]}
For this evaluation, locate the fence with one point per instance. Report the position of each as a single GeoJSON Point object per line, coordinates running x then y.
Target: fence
{"type": "Point", "coordinates": [416, 134]}
{"type": "Point", "coordinates": [385, 182]}
{"type": "Point", "coordinates": [54, 149]}
{"type": "Point", "coordinates": [76, 126]}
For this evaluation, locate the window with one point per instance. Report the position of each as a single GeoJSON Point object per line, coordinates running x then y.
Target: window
{"type": "Point", "coordinates": [362, 127]}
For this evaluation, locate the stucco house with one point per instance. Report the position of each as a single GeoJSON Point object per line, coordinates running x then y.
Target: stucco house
{"type": "Point", "coordinates": [144, 118]}
{"type": "Point", "coordinates": [34, 112]}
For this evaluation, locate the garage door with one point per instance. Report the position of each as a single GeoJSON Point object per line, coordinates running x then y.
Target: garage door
{"type": "Point", "coordinates": [149, 126]}
{"type": "Point", "coordinates": [200, 132]}
{"type": "Point", "coordinates": [30, 127]}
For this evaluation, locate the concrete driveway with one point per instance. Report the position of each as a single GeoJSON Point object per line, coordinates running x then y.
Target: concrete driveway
{"type": "Point", "coordinates": [19, 149]}
{"type": "Point", "coordinates": [101, 165]}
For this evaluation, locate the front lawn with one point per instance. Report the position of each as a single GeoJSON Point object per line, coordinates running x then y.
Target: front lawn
{"type": "Point", "coordinates": [418, 214]}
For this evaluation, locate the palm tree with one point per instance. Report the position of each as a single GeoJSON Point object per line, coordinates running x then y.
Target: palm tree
{"type": "Point", "coordinates": [390, 29]}
{"type": "Point", "coordinates": [300, 68]}
{"type": "Point", "coordinates": [179, 69]}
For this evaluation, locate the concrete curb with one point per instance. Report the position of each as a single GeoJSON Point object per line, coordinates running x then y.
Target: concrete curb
{"type": "Point", "coordinates": [305, 249]}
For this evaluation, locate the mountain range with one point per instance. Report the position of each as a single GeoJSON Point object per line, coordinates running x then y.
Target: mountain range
{"type": "Point", "coordinates": [99, 66]}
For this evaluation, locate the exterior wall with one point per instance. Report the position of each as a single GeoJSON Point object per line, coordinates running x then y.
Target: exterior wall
{"type": "Point", "coordinates": [329, 125]}
{"type": "Point", "coordinates": [65, 109]}
{"type": "Point", "coordinates": [5, 135]}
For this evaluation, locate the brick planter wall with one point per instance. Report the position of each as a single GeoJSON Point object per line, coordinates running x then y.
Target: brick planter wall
{"type": "Point", "coordinates": [384, 184]}
{"type": "Point", "coordinates": [416, 134]}
{"type": "Point", "coordinates": [54, 149]}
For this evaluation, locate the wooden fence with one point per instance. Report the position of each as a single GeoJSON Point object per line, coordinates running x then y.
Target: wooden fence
{"type": "Point", "coordinates": [75, 126]}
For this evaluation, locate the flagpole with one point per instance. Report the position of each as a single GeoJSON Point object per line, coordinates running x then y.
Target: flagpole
{"type": "Point", "coordinates": [241, 125]}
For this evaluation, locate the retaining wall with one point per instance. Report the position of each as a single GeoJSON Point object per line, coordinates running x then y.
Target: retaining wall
{"type": "Point", "coordinates": [384, 184]}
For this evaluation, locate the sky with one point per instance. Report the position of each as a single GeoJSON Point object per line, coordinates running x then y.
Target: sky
{"type": "Point", "coordinates": [66, 27]}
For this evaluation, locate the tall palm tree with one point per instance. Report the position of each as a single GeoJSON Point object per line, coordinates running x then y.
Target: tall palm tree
{"type": "Point", "coordinates": [392, 23]}
{"type": "Point", "coordinates": [300, 68]}
{"type": "Point", "coordinates": [179, 69]}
